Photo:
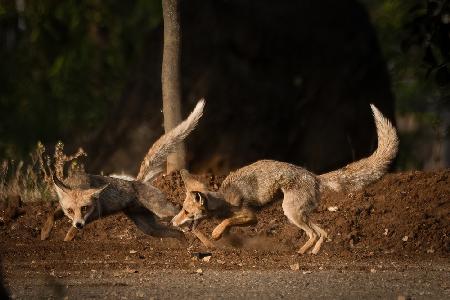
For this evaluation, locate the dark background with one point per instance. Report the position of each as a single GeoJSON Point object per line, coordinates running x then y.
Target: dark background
{"type": "Point", "coordinates": [288, 80]}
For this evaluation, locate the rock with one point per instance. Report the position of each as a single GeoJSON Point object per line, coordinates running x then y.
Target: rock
{"type": "Point", "coordinates": [295, 267]}
{"type": "Point", "coordinates": [206, 258]}
{"type": "Point", "coordinates": [405, 238]}
{"type": "Point", "coordinates": [133, 251]}
{"type": "Point", "coordinates": [200, 255]}
{"type": "Point", "coordinates": [130, 270]}
{"type": "Point", "coordinates": [199, 271]}
{"type": "Point", "coordinates": [332, 208]}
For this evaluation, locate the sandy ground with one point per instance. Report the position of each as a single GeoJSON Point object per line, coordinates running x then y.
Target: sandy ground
{"type": "Point", "coordinates": [213, 284]}
{"type": "Point", "coordinates": [129, 276]}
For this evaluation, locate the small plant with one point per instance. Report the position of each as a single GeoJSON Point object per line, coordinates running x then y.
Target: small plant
{"type": "Point", "coordinates": [33, 181]}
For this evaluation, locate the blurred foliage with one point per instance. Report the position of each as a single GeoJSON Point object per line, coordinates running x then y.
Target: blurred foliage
{"type": "Point", "coordinates": [404, 29]}
{"type": "Point", "coordinates": [64, 63]}
{"type": "Point", "coordinates": [429, 29]}
{"type": "Point", "coordinates": [414, 37]}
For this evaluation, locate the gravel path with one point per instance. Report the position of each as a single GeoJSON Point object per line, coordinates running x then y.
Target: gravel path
{"type": "Point", "coordinates": [247, 284]}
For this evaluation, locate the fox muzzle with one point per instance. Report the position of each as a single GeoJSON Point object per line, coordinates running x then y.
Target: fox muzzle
{"type": "Point", "coordinates": [78, 224]}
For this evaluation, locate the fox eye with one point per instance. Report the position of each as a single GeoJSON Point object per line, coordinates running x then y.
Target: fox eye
{"type": "Point", "coordinates": [70, 211]}
{"type": "Point", "coordinates": [197, 196]}
{"type": "Point", "coordinates": [84, 208]}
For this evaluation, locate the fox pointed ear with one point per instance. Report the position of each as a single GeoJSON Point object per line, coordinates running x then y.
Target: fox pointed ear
{"type": "Point", "coordinates": [190, 182]}
{"type": "Point", "coordinates": [95, 192]}
{"type": "Point", "coordinates": [60, 186]}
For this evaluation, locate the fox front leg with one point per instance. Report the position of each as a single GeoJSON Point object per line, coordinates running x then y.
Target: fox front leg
{"type": "Point", "coordinates": [242, 217]}
{"type": "Point", "coordinates": [205, 241]}
{"type": "Point", "coordinates": [70, 235]}
{"type": "Point", "coordinates": [48, 225]}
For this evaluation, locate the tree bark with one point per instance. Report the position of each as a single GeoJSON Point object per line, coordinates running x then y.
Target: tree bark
{"type": "Point", "coordinates": [170, 77]}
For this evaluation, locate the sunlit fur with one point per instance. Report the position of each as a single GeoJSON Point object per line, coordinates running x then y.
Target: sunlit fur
{"type": "Point", "coordinates": [264, 181]}
{"type": "Point", "coordinates": [84, 197]}
{"type": "Point", "coordinates": [78, 204]}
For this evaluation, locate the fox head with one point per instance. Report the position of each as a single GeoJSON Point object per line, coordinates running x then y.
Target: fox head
{"type": "Point", "coordinates": [77, 204]}
{"type": "Point", "coordinates": [195, 205]}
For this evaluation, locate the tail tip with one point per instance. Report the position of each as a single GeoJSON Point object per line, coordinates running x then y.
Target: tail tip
{"type": "Point", "coordinates": [198, 109]}
{"type": "Point", "coordinates": [373, 108]}
{"type": "Point", "coordinates": [375, 111]}
{"type": "Point", "coordinates": [201, 103]}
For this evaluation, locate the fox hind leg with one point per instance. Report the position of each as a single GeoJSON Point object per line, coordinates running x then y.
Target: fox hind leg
{"type": "Point", "coordinates": [309, 232]}
{"type": "Point", "coordinates": [322, 235]}
{"type": "Point", "coordinates": [293, 210]}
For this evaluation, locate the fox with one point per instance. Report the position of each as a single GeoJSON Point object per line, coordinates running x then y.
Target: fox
{"type": "Point", "coordinates": [84, 198]}
{"type": "Point", "coordinates": [264, 181]}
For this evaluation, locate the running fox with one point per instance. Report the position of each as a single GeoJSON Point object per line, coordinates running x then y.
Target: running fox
{"type": "Point", "coordinates": [84, 197]}
{"type": "Point", "coordinates": [260, 183]}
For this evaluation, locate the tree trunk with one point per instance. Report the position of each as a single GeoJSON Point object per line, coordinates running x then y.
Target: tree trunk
{"type": "Point", "coordinates": [170, 77]}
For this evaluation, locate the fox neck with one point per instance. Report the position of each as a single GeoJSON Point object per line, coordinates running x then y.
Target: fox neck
{"type": "Point", "coordinates": [216, 202]}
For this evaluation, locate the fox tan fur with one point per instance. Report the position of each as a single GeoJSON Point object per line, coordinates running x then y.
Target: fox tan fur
{"type": "Point", "coordinates": [84, 198]}
{"type": "Point", "coordinates": [260, 183]}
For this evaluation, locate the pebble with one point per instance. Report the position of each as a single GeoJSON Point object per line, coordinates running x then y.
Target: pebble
{"type": "Point", "coordinates": [333, 208]}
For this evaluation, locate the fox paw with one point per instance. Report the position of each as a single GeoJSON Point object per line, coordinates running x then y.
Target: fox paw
{"type": "Point", "coordinates": [45, 233]}
{"type": "Point", "coordinates": [218, 232]}
{"type": "Point", "coordinates": [70, 234]}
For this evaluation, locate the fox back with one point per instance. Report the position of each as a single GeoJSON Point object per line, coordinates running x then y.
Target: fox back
{"type": "Point", "coordinates": [85, 197]}
{"type": "Point", "coordinates": [259, 183]}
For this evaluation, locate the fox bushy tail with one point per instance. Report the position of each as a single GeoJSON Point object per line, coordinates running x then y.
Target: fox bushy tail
{"type": "Point", "coordinates": [153, 162]}
{"type": "Point", "coordinates": [358, 174]}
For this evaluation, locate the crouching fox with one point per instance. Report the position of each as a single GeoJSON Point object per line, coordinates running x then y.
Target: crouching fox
{"type": "Point", "coordinates": [259, 183]}
{"type": "Point", "coordinates": [84, 197]}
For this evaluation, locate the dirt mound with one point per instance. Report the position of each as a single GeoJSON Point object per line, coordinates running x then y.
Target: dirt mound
{"type": "Point", "coordinates": [404, 214]}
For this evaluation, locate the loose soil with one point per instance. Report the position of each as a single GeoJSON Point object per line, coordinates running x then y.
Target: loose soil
{"type": "Point", "coordinates": [398, 224]}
